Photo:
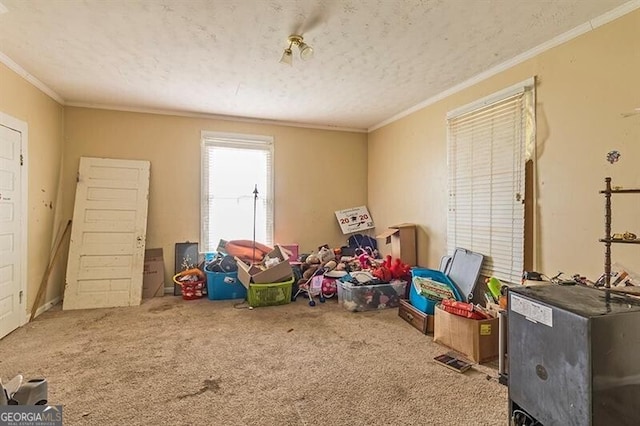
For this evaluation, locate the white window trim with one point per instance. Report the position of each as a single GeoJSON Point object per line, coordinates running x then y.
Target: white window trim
{"type": "Point", "coordinates": [526, 87]}
{"type": "Point", "coordinates": [492, 98]}
{"type": "Point", "coordinates": [238, 140]}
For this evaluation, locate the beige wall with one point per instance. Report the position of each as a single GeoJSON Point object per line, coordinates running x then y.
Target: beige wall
{"type": "Point", "coordinates": [316, 172]}
{"type": "Point", "coordinates": [44, 118]}
{"type": "Point", "coordinates": [583, 87]}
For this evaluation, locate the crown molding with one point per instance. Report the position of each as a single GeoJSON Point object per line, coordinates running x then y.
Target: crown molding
{"type": "Point", "coordinates": [594, 23]}
{"type": "Point", "coordinates": [556, 41]}
{"type": "Point", "coordinates": [214, 117]}
{"type": "Point", "coordinates": [12, 65]}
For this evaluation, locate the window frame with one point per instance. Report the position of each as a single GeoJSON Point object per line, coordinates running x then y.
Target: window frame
{"type": "Point", "coordinates": [209, 139]}
{"type": "Point", "coordinates": [524, 151]}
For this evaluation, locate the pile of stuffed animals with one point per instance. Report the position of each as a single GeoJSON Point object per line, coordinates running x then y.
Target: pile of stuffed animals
{"type": "Point", "coordinates": [361, 294]}
{"type": "Point", "coordinates": [360, 273]}
{"type": "Point", "coordinates": [357, 269]}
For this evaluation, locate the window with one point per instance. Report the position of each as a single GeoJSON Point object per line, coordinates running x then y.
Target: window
{"type": "Point", "coordinates": [233, 166]}
{"type": "Point", "coordinates": [488, 142]}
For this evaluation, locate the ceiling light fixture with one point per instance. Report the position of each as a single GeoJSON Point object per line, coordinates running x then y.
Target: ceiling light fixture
{"type": "Point", "coordinates": [306, 51]}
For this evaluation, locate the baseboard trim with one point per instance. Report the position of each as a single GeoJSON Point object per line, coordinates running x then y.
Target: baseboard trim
{"type": "Point", "coordinates": [47, 306]}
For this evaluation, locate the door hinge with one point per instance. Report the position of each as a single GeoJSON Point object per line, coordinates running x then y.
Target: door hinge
{"type": "Point", "coordinates": [21, 160]}
{"type": "Point", "coordinates": [20, 296]}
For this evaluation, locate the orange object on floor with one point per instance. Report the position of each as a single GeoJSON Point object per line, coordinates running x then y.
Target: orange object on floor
{"type": "Point", "coordinates": [503, 302]}
{"type": "Point", "coordinates": [244, 249]}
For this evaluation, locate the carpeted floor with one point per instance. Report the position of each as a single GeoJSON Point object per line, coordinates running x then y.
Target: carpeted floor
{"type": "Point", "coordinates": [177, 362]}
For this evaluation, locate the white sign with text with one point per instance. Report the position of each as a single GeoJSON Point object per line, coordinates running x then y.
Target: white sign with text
{"type": "Point", "coordinates": [354, 219]}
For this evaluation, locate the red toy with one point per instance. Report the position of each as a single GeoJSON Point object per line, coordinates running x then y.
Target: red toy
{"type": "Point", "coordinates": [383, 273]}
{"type": "Point", "coordinates": [467, 310]}
{"type": "Point", "coordinates": [397, 268]}
{"type": "Point", "coordinates": [365, 261]}
{"type": "Point", "coordinates": [390, 270]}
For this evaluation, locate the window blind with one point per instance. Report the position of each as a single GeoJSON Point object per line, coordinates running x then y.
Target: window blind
{"type": "Point", "coordinates": [486, 166]}
{"type": "Point", "coordinates": [233, 166]}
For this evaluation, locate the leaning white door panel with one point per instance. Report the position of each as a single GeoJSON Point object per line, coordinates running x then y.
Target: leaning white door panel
{"type": "Point", "coordinates": [106, 255]}
{"type": "Point", "coordinates": [11, 303]}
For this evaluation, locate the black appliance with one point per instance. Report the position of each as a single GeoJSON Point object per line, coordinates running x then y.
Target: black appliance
{"type": "Point", "coordinates": [574, 356]}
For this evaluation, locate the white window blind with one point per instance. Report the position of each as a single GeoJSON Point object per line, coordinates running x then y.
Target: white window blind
{"type": "Point", "coordinates": [233, 165]}
{"type": "Point", "coordinates": [487, 145]}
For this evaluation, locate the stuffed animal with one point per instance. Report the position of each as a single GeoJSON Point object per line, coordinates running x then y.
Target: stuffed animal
{"type": "Point", "coordinates": [325, 254]}
{"type": "Point", "coordinates": [312, 259]}
{"type": "Point", "coordinates": [324, 260]}
{"type": "Point", "coordinates": [310, 271]}
{"type": "Point", "coordinates": [330, 265]}
{"type": "Point", "coordinates": [397, 268]}
{"type": "Point", "coordinates": [382, 273]}
{"type": "Point", "coordinates": [365, 260]}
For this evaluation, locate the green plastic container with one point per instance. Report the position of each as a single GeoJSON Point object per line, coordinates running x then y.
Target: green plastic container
{"type": "Point", "coordinates": [269, 294]}
{"type": "Point", "coordinates": [494, 286]}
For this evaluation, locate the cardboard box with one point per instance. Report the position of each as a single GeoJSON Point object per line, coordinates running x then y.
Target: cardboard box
{"type": "Point", "coordinates": [153, 274]}
{"type": "Point", "coordinates": [260, 274]}
{"type": "Point", "coordinates": [402, 239]}
{"type": "Point", "coordinates": [493, 308]}
{"type": "Point", "coordinates": [477, 339]}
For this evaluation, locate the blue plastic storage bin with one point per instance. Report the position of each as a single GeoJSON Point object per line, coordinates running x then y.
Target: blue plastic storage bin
{"type": "Point", "coordinates": [421, 302]}
{"type": "Point", "coordinates": [223, 286]}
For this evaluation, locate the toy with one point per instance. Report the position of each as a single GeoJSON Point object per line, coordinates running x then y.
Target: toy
{"type": "Point", "coordinates": [325, 254]}
{"type": "Point", "coordinates": [372, 297]}
{"type": "Point", "coordinates": [329, 287]}
{"type": "Point", "coordinates": [310, 271]}
{"type": "Point", "coordinates": [192, 282]}
{"type": "Point", "coordinates": [363, 242]}
{"type": "Point", "coordinates": [383, 273]}
{"type": "Point", "coordinates": [398, 269]}
{"type": "Point", "coordinates": [365, 260]}
{"type": "Point", "coordinates": [330, 265]}
{"type": "Point", "coordinates": [313, 282]}
{"type": "Point", "coordinates": [389, 270]}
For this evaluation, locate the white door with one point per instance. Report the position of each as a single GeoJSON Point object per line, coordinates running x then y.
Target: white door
{"type": "Point", "coordinates": [12, 307]}
{"type": "Point", "coordinates": [106, 255]}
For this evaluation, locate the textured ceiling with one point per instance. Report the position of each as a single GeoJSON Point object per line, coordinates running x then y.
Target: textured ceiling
{"type": "Point", "coordinates": [373, 58]}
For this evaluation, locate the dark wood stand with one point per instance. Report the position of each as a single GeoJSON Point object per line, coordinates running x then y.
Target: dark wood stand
{"type": "Point", "coordinates": [608, 239]}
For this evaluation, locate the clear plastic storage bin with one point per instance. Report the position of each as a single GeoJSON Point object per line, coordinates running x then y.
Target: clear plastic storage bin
{"type": "Point", "coordinates": [358, 298]}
